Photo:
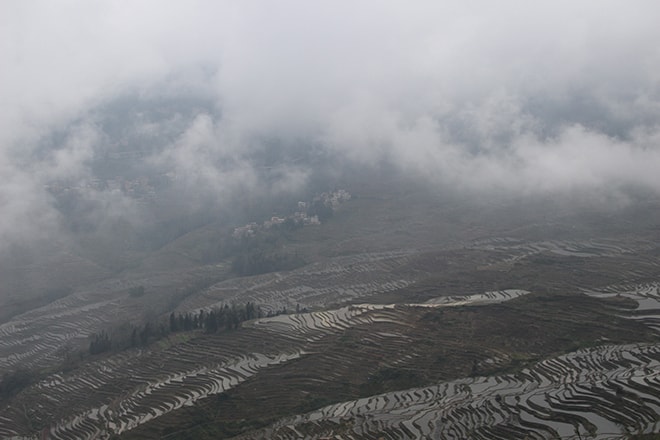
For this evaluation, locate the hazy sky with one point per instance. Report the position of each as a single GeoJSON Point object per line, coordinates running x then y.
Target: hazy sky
{"type": "Point", "coordinates": [509, 95]}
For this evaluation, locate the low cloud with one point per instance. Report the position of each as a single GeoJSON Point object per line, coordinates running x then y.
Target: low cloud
{"type": "Point", "coordinates": [229, 97]}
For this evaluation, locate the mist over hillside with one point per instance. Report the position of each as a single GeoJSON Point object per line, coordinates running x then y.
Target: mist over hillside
{"type": "Point", "coordinates": [299, 185]}
{"type": "Point", "coordinates": [211, 102]}
{"type": "Point", "coordinates": [121, 132]}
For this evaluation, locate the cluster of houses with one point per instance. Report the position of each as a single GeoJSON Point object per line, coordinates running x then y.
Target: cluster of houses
{"type": "Point", "coordinates": [301, 217]}
{"type": "Point", "coordinates": [249, 230]}
{"type": "Point", "coordinates": [334, 199]}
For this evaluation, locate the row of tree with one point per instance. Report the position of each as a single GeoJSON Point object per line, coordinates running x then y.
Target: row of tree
{"type": "Point", "coordinates": [14, 381]}
{"type": "Point", "coordinates": [100, 343]}
{"type": "Point", "coordinates": [220, 319]}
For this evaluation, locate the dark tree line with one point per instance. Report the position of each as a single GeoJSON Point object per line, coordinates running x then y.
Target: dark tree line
{"type": "Point", "coordinates": [100, 343]}
{"type": "Point", "coordinates": [13, 382]}
{"type": "Point", "coordinates": [220, 319]}
{"type": "Point", "coordinates": [229, 318]}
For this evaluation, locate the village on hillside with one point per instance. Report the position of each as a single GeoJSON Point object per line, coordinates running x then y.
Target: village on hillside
{"type": "Point", "coordinates": [308, 214]}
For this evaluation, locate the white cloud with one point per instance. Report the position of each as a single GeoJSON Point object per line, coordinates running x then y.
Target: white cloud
{"type": "Point", "coordinates": [543, 96]}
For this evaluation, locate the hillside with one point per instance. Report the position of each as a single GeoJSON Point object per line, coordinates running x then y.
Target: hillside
{"type": "Point", "coordinates": [491, 299]}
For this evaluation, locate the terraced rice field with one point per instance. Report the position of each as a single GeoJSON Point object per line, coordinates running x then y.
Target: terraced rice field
{"type": "Point", "coordinates": [647, 297]}
{"type": "Point", "coordinates": [115, 395]}
{"type": "Point", "coordinates": [36, 339]}
{"type": "Point", "coordinates": [605, 392]}
{"type": "Point", "coordinates": [572, 248]}
{"type": "Point", "coordinates": [334, 281]}
{"type": "Point", "coordinates": [33, 339]}
{"type": "Point", "coordinates": [600, 392]}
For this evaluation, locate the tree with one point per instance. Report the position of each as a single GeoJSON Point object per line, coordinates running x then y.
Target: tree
{"type": "Point", "coordinates": [100, 343]}
{"type": "Point", "coordinates": [211, 322]}
{"type": "Point", "coordinates": [250, 311]}
{"type": "Point", "coordinates": [134, 337]}
{"type": "Point", "coordinates": [15, 381]}
{"type": "Point", "coordinates": [145, 334]}
{"type": "Point", "coordinates": [174, 326]}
